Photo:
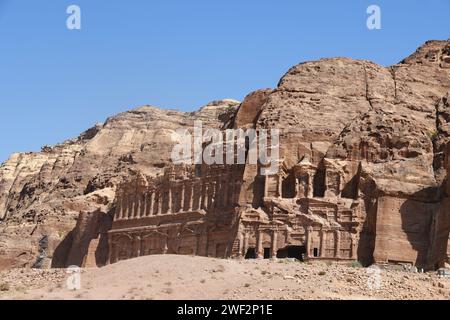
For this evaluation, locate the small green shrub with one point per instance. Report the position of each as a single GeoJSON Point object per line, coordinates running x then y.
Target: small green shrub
{"type": "Point", "coordinates": [4, 287]}
{"type": "Point", "coordinates": [432, 135]}
{"type": "Point", "coordinates": [356, 264]}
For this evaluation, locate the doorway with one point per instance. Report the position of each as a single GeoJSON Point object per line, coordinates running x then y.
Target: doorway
{"type": "Point", "coordinates": [296, 252]}
{"type": "Point", "coordinates": [251, 253]}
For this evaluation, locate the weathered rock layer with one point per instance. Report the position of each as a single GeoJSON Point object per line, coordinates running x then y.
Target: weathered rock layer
{"type": "Point", "coordinates": [363, 175]}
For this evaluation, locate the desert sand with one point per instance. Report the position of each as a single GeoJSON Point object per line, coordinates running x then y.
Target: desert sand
{"type": "Point", "coordinates": [167, 277]}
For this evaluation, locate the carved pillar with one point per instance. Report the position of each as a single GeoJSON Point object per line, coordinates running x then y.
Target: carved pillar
{"type": "Point", "coordinates": [165, 246]}
{"type": "Point", "coordinates": [150, 208]}
{"type": "Point", "coordinates": [119, 209]}
{"type": "Point", "coordinates": [280, 185]}
{"type": "Point", "coordinates": [144, 201]}
{"type": "Point", "coordinates": [211, 195]}
{"type": "Point", "coordinates": [197, 195]}
{"type": "Point", "coordinates": [274, 244]}
{"type": "Point", "coordinates": [205, 197]}
{"type": "Point", "coordinates": [110, 250]}
{"type": "Point", "coordinates": [337, 249]}
{"type": "Point", "coordinates": [354, 251]}
{"type": "Point", "coordinates": [310, 187]}
{"type": "Point", "coordinates": [182, 196]}
{"type": "Point", "coordinates": [124, 210]}
{"type": "Point", "coordinates": [130, 208]}
{"type": "Point", "coordinates": [241, 245]}
{"type": "Point", "coordinates": [266, 185]}
{"type": "Point", "coordinates": [136, 246]}
{"type": "Point", "coordinates": [169, 201]}
{"type": "Point", "coordinates": [245, 243]}
{"type": "Point", "coordinates": [323, 243]}
{"type": "Point", "coordinates": [259, 247]}
{"type": "Point", "coordinates": [191, 196]}
{"type": "Point", "coordinates": [218, 193]}
{"type": "Point", "coordinates": [160, 202]}
{"type": "Point", "coordinates": [309, 231]}
{"type": "Point", "coordinates": [137, 206]}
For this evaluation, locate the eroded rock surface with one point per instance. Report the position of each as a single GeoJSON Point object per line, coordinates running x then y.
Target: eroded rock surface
{"type": "Point", "coordinates": [363, 176]}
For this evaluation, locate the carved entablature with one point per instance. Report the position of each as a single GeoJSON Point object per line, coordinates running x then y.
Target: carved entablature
{"type": "Point", "coordinates": [180, 190]}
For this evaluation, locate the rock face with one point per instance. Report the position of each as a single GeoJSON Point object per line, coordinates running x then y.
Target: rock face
{"type": "Point", "coordinates": [363, 175]}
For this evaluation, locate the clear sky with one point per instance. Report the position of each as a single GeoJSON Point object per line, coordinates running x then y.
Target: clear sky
{"type": "Point", "coordinates": [55, 82]}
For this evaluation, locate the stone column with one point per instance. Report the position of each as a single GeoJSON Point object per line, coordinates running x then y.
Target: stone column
{"type": "Point", "coordinates": [274, 244]}
{"type": "Point", "coordinates": [309, 231]}
{"type": "Point", "coordinates": [205, 197]}
{"type": "Point", "coordinates": [310, 192]}
{"type": "Point", "coordinates": [218, 194]}
{"type": "Point", "coordinates": [197, 196]}
{"type": "Point", "coordinates": [266, 185]}
{"type": "Point", "coordinates": [137, 201]}
{"type": "Point", "coordinates": [123, 214]}
{"type": "Point", "coordinates": [130, 208]}
{"type": "Point", "coordinates": [165, 246]}
{"type": "Point", "coordinates": [169, 203]}
{"type": "Point", "coordinates": [213, 195]}
{"type": "Point", "coordinates": [280, 186]}
{"type": "Point", "coordinates": [191, 196]}
{"type": "Point", "coordinates": [119, 210]}
{"type": "Point", "coordinates": [143, 197]}
{"type": "Point", "coordinates": [160, 201]}
{"type": "Point", "coordinates": [337, 249]}
{"type": "Point", "coordinates": [259, 247]}
{"type": "Point", "coordinates": [245, 243]}
{"type": "Point", "coordinates": [150, 208]}
{"type": "Point", "coordinates": [241, 245]}
{"type": "Point", "coordinates": [136, 246]}
{"type": "Point", "coordinates": [323, 243]}
{"type": "Point", "coordinates": [182, 196]}
{"type": "Point", "coordinates": [354, 251]}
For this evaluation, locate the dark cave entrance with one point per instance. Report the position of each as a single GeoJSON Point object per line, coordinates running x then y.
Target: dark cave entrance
{"type": "Point", "coordinates": [266, 253]}
{"type": "Point", "coordinates": [251, 253]}
{"type": "Point", "coordinates": [296, 252]}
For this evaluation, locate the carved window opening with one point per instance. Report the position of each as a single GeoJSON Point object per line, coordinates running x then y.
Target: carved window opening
{"type": "Point", "coordinates": [251, 253]}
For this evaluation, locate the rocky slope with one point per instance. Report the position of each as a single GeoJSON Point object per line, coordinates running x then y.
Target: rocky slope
{"type": "Point", "coordinates": [42, 194]}
{"type": "Point", "coordinates": [394, 118]}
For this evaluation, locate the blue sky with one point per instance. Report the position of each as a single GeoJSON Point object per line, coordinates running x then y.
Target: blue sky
{"type": "Point", "coordinates": [55, 83]}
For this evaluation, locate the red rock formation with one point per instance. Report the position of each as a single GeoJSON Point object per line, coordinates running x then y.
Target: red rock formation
{"type": "Point", "coordinates": [363, 175]}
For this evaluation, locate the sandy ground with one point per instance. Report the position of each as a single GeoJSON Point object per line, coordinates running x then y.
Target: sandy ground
{"type": "Point", "coordinates": [192, 278]}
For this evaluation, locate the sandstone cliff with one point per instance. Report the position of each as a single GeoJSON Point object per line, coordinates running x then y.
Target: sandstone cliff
{"type": "Point", "coordinates": [383, 129]}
